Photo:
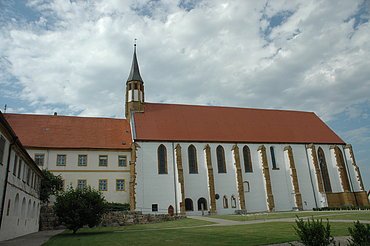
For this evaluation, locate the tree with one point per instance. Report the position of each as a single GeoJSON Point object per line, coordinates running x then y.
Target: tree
{"type": "Point", "coordinates": [50, 185]}
{"type": "Point", "coordinates": [78, 207]}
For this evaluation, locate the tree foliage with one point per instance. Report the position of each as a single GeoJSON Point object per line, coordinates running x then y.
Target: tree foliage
{"type": "Point", "coordinates": [314, 232]}
{"type": "Point", "coordinates": [79, 207]}
{"type": "Point", "coordinates": [360, 234]}
{"type": "Point", "coordinates": [50, 185]}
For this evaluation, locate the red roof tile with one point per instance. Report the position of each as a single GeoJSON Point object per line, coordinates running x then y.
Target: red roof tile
{"type": "Point", "coordinates": [48, 131]}
{"type": "Point", "coordinates": [170, 122]}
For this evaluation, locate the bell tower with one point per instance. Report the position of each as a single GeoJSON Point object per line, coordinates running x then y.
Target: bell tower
{"type": "Point", "coordinates": [134, 89]}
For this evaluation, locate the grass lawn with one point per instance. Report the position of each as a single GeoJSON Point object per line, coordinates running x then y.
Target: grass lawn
{"type": "Point", "coordinates": [345, 215]}
{"type": "Point", "coordinates": [174, 233]}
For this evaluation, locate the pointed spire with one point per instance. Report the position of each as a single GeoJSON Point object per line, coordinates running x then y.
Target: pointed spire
{"type": "Point", "coordinates": [135, 72]}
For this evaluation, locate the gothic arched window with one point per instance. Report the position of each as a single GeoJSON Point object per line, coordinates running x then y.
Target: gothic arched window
{"type": "Point", "coordinates": [162, 159]}
{"type": "Point", "coordinates": [342, 169]}
{"type": "Point", "coordinates": [324, 170]}
{"type": "Point", "coordinates": [221, 164]}
{"type": "Point", "coordinates": [273, 160]}
{"type": "Point", "coordinates": [247, 159]}
{"type": "Point", "coordinates": [192, 156]}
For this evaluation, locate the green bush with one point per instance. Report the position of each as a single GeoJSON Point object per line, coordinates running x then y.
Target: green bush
{"type": "Point", "coordinates": [80, 207]}
{"type": "Point", "coordinates": [313, 232]}
{"type": "Point", "coordinates": [360, 234]}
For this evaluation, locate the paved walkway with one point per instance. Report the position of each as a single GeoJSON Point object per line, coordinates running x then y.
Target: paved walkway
{"type": "Point", "coordinates": [33, 239]}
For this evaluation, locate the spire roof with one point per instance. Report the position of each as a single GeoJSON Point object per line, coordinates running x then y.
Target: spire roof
{"type": "Point", "coordinates": [135, 72]}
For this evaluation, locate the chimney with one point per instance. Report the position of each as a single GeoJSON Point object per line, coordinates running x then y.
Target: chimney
{"type": "Point", "coordinates": [55, 113]}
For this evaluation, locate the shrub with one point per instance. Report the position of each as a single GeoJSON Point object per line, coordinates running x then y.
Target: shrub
{"type": "Point", "coordinates": [360, 234]}
{"type": "Point", "coordinates": [79, 207]}
{"type": "Point", "coordinates": [313, 232]}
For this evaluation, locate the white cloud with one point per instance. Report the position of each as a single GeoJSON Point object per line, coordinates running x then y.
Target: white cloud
{"type": "Point", "coordinates": [79, 54]}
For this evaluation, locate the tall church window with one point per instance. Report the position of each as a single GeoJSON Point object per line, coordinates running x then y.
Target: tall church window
{"type": "Point", "coordinates": [324, 170]}
{"type": "Point", "coordinates": [221, 164]}
{"type": "Point", "coordinates": [192, 156]}
{"type": "Point", "coordinates": [342, 169]}
{"type": "Point", "coordinates": [16, 205]}
{"type": "Point", "coordinates": [162, 159]}
{"type": "Point", "coordinates": [247, 159]}
{"type": "Point", "coordinates": [189, 205]}
{"type": "Point", "coordinates": [273, 160]}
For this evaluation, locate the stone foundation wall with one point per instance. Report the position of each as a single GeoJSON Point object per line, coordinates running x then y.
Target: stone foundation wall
{"type": "Point", "coordinates": [49, 221]}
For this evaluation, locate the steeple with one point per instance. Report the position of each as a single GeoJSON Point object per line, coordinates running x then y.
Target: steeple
{"type": "Point", "coordinates": [135, 71]}
{"type": "Point", "coordinates": [134, 89]}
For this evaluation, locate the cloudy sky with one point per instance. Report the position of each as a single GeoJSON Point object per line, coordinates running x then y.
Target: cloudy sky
{"type": "Point", "coordinates": [73, 57]}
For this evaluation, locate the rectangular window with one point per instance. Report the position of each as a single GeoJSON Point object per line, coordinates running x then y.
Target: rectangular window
{"type": "Point", "coordinates": [61, 160]}
{"type": "Point", "coordinates": [120, 184]}
{"type": "Point", "coordinates": [15, 165]}
{"type": "Point", "coordinates": [103, 184]}
{"type": "Point", "coordinates": [272, 151]}
{"type": "Point", "coordinates": [81, 183]}
{"type": "Point", "coordinates": [2, 149]}
{"type": "Point", "coordinates": [20, 168]}
{"type": "Point", "coordinates": [154, 207]}
{"type": "Point", "coordinates": [82, 160]}
{"type": "Point", "coordinates": [122, 161]}
{"type": "Point", "coordinates": [39, 159]}
{"type": "Point", "coordinates": [103, 160]}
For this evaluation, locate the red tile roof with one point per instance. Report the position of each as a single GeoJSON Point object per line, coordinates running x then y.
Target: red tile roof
{"type": "Point", "coordinates": [170, 122]}
{"type": "Point", "coordinates": [48, 131]}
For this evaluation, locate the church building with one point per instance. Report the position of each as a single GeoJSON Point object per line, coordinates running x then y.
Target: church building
{"type": "Point", "coordinates": [190, 159]}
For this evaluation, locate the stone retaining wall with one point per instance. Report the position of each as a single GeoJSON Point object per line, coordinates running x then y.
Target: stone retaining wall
{"type": "Point", "coordinates": [49, 221]}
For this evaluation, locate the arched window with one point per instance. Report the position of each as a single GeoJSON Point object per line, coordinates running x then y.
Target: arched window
{"type": "Point", "coordinates": [342, 169]}
{"type": "Point", "coordinates": [233, 201]}
{"type": "Point", "coordinates": [247, 159]}
{"type": "Point", "coordinates": [162, 159]}
{"type": "Point", "coordinates": [29, 209]}
{"type": "Point", "coordinates": [23, 208]}
{"type": "Point", "coordinates": [189, 204]}
{"type": "Point", "coordinates": [8, 208]}
{"type": "Point", "coordinates": [324, 170]}
{"type": "Point", "coordinates": [273, 160]}
{"type": "Point", "coordinates": [247, 188]}
{"type": "Point", "coordinates": [225, 202]}
{"type": "Point", "coordinates": [34, 209]}
{"type": "Point", "coordinates": [202, 204]}
{"type": "Point", "coordinates": [16, 205]}
{"type": "Point", "coordinates": [192, 156]}
{"type": "Point", "coordinates": [221, 164]}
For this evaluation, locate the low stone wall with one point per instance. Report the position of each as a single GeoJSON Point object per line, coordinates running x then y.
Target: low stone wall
{"type": "Point", "coordinates": [49, 221]}
{"type": "Point", "coordinates": [121, 218]}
